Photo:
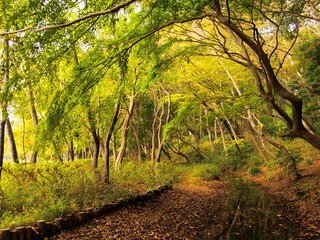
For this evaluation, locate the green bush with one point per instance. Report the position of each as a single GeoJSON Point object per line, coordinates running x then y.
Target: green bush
{"type": "Point", "coordinates": [205, 171]}
{"type": "Point", "coordinates": [254, 171]}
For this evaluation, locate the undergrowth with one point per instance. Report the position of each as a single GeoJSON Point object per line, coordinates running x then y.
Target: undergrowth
{"type": "Point", "coordinates": [46, 190]}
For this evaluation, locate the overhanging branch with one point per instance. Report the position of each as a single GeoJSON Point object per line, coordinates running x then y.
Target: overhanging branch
{"type": "Point", "coordinates": [67, 24]}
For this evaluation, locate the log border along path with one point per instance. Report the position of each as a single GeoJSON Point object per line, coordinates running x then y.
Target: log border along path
{"type": "Point", "coordinates": [189, 211]}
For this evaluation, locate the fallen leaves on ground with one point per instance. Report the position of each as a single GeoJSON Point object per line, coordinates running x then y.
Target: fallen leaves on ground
{"type": "Point", "coordinates": [187, 212]}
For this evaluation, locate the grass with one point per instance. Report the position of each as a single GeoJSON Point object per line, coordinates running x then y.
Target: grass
{"type": "Point", "coordinates": [51, 189]}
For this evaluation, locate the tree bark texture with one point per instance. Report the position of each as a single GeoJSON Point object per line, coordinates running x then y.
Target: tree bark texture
{"type": "Point", "coordinates": [108, 138]}
{"type": "Point", "coordinates": [34, 154]}
{"type": "Point", "coordinates": [294, 122]}
{"type": "Point", "coordinates": [124, 135]}
{"type": "Point", "coordinates": [12, 142]}
{"type": "Point", "coordinates": [2, 132]}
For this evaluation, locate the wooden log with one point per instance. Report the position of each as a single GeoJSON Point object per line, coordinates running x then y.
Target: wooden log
{"type": "Point", "coordinates": [28, 232]}
{"type": "Point", "coordinates": [59, 222]}
{"type": "Point", "coordinates": [35, 234]}
{"type": "Point", "coordinates": [82, 217]}
{"type": "Point", "coordinates": [48, 229]}
{"type": "Point", "coordinates": [64, 225]}
{"type": "Point", "coordinates": [70, 221]}
{"type": "Point", "coordinates": [41, 224]}
{"type": "Point", "coordinates": [100, 211]}
{"type": "Point", "coordinates": [5, 234]}
{"type": "Point", "coordinates": [21, 232]}
{"type": "Point", "coordinates": [90, 212]}
{"type": "Point", "coordinates": [55, 228]}
{"type": "Point", "coordinates": [14, 235]}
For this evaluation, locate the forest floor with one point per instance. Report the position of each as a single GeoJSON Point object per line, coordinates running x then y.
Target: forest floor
{"type": "Point", "coordinates": [298, 200]}
{"type": "Point", "coordinates": [187, 212]}
{"type": "Point", "coordinates": [196, 209]}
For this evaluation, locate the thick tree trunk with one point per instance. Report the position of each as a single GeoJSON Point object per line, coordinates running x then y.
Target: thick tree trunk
{"type": "Point", "coordinates": [12, 142]}
{"type": "Point", "coordinates": [294, 122]}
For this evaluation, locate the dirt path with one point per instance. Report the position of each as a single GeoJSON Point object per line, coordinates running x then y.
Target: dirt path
{"type": "Point", "coordinates": [186, 212]}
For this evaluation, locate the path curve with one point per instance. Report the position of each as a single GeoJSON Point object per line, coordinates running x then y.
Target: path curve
{"type": "Point", "coordinates": [186, 212]}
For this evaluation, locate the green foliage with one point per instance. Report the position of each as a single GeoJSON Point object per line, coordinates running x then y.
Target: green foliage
{"type": "Point", "coordinates": [290, 164]}
{"type": "Point", "coordinates": [237, 160]}
{"type": "Point", "coordinates": [205, 171]}
{"type": "Point", "coordinates": [51, 189]}
{"type": "Point", "coordinates": [254, 171]}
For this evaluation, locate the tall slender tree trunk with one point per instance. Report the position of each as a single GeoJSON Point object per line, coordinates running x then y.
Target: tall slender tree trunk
{"type": "Point", "coordinates": [12, 142]}
{"type": "Point", "coordinates": [34, 115]}
{"type": "Point", "coordinates": [251, 133]}
{"type": "Point", "coordinates": [162, 140]}
{"type": "Point", "coordinates": [136, 132]}
{"type": "Point", "coordinates": [222, 134]}
{"type": "Point", "coordinates": [23, 135]}
{"type": "Point", "coordinates": [96, 139]}
{"type": "Point", "coordinates": [71, 150]}
{"type": "Point", "coordinates": [209, 130]}
{"type": "Point", "coordinates": [114, 145]}
{"type": "Point", "coordinates": [96, 148]}
{"type": "Point", "coordinates": [124, 135]}
{"type": "Point", "coordinates": [108, 138]}
{"type": "Point", "coordinates": [3, 92]}
{"type": "Point", "coordinates": [2, 131]}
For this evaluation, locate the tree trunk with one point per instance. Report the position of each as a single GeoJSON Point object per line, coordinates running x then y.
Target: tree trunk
{"type": "Point", "coordinates": [251, 133]}
{"type": "Point", "coordinates": [4, 113]}
{"type": "Point", "coordinates": [71, 150]}
{"type": "Point", "coordinates": [281, 148]}
{"type": "Point", "coordinates": [222, 134]}
{"type": "Point", "coordinates": [124, 135]}
{"type": "Point", "coordinates": [114, 145]}
{"type": "Point", "coordinates": [108, 138]}
{"type": "Point", "coordinates": [295, 124]}
{"type": "Point", "coordinates": [12, 142]}
{"type": "Point", "coordinates": [209, 130]}
{"type": "Point", "coordinates": [96, 148]}
{"type": "Point", "coordinates": [178, 152]}
{"type": "Point", "coordinates": [138, 142]}
{"type": "Point", "coordinates": [161, 140]}
{"type": "Point", "coordinates": [2, 131]}
{"type": "Point", "coordinates": [34, 115]}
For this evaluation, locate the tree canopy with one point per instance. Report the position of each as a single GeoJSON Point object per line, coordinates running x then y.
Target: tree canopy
{"type": "Point", "coordinates": [178, 70]}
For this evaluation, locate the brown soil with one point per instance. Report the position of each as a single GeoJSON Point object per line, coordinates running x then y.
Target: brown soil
{"type": "Point", "coordinates": [186, 212]}
{"type": "Point", "coordinates": [299, 200]}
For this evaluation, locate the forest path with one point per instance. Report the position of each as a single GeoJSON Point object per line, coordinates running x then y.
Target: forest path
{"type": "Point", "coordinates": [186, 212]}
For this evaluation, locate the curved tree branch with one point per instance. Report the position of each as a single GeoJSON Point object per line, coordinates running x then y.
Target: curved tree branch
{"type": "Point", "coordinates": [67, 24]}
